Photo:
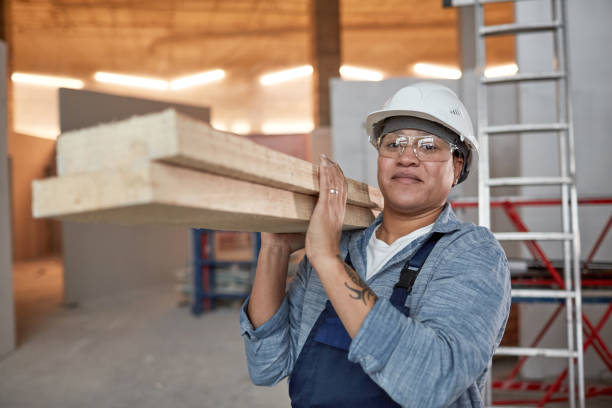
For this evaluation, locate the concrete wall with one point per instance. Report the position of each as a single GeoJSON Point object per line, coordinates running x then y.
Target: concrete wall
{"type": "Point", "coordinates": [7, 314]}
{"type": "Point", "coordinates": [105, 259]}
{"type": "Point", "coordinates": [589, 36]}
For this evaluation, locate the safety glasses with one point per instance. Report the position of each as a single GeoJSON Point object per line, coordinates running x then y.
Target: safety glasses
{"type": "Point", "coordinates": [426, 148]}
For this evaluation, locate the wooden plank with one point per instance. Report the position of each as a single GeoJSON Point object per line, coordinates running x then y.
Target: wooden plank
{"type": "Point", "coordinates": [158, 193]}
{"type": "Point", "coordinates": [173, 138]}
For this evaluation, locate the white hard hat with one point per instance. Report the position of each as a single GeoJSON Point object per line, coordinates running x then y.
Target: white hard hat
{"type": "Point", "coordinates": [433, 102]}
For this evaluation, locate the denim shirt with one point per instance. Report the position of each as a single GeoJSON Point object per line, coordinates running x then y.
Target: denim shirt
{"type": "Point", "coordinates": [438, 356]}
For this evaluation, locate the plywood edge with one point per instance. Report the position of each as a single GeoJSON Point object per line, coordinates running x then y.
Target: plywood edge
{"type": "Point", "coordinates": [117, 144]}
{"type": "Point", "coordinates": [162, 194]}
{"type": "Point", "coordinates": [205, 148]}
{"type": "Point", "coordinates": [165, 215]}
{"type": "Point", "coordinates": [94, 191]}
{"type": "Point", "coordinates": [175, 185]}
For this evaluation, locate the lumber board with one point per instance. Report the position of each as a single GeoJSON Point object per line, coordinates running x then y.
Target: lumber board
{"type": "Point", "coordinates": [180, 140]}
{"type": "Point", "coordinates": [157, 193]}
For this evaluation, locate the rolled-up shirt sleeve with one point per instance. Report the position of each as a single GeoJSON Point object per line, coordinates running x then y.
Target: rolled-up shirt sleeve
{"type": "Point", "coordinates": [271, 348]}
{"type": "Point", "coordinates": [430, 358]}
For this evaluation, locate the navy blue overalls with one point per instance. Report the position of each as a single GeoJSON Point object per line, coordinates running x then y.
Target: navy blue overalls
{"type": "Point", "coordinates": [323, 376]}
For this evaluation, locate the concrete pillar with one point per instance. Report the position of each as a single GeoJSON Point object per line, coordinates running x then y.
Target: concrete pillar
{"type": "Point", "coordinates": [467, 84]}
{"type": "Point", "coordinates": [325, 54]}
{"type": "Point", "coordinates": [7, 314]}
{"type": "Point", "coordinates": [325, 57]}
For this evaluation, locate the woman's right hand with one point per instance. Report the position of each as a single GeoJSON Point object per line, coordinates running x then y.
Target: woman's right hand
{"type": "Point", "coordinates": [289, 241]}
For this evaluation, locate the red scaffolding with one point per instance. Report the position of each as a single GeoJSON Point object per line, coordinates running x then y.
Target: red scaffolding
{"type": "Point", "coordinates": [556, 391]}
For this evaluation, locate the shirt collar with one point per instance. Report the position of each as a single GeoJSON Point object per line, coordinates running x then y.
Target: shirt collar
{"type": "Point", "coordinates": [446, 222]}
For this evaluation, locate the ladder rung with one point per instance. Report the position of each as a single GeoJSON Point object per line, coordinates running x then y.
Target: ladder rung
{"type": "Point", "coordinates": [535, 352]}
{"type": "Point", "coordinates": [536, 127]}
{"type": "Point", "coordinates": [543, 293]}
{"type": "Point", "coordinates": [527, 181]}
{"type": "Point", "coordinates": [533, 236]}
{"type": "Point", "coordinates": [596, 293]}
{"type": "Point", "coordinates": [507, 29]}
{"type": "Point", "coordinates": [545, 76]}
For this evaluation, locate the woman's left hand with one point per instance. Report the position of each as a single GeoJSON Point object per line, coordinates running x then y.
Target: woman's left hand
{"type": "Point", "coordinates": [325, 228]}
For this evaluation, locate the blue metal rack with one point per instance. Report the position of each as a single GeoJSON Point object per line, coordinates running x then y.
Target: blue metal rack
{"type": "Point", "coordinates": [205, 266]}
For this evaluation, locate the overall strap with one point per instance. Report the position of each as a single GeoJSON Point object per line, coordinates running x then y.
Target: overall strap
{"type": "Point", "coordinates": [411, 270]}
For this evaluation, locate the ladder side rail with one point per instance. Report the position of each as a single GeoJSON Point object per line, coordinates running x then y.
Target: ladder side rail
{"type": "Point", "coordinates": [564, 59]}
{"type": "Point", "coordinates": [484, 212]}
{"type": "Point", "coordinates": [571, 317]}
{"type": "Point", "coordinates": [567, 154]}
{"type": "Point", "coordinates": [484, 199]}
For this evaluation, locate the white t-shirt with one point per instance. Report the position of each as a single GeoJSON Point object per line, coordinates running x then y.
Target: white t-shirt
{"type": "Point", "coordinates": [379, 252]}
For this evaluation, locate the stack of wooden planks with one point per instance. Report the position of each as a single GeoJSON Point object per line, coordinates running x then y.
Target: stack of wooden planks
{"type": "Point", "coordinates": [166, 168]}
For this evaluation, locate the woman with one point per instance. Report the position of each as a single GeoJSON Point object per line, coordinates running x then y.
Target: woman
{"type": "Point", "coordinates": [407, 312]}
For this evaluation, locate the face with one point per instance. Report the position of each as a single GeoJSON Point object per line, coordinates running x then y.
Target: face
{"type": "Point", "coordinates": [412, 186]}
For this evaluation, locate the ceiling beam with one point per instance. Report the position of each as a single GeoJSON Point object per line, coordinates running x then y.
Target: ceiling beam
{"type": "Point", "coordinates": [325, 54]}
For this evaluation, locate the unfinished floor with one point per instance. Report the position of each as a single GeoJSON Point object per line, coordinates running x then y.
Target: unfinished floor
{"type": "Point", "coordinates": [137, 349]}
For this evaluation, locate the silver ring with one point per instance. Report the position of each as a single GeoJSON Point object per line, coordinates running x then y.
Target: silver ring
{"type": "Point", "coordinates": [333, 191]}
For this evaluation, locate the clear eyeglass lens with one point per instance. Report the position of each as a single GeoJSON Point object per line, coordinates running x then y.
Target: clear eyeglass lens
{"type": "Point", "coordinates": [426, 148]}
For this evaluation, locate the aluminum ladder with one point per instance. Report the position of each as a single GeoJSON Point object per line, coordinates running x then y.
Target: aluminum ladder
{"type": "Point", "coordinates": [563, 127]}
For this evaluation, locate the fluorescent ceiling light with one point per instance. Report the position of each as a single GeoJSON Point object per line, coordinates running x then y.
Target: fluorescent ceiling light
{"type": "Point", "coordinates": [42, 131]}
{"type": "Point", "coordinates": [436, 71]}
{"type": "Point", "coordinates": [286, 75]}
{"type": "Point", "coordinates": [360, 74]}
{"type": "Point", "coordinates": [47, 80]}
{"type": "Point", "coordinates": [129, 80]}
{"type": "Point", "coordinates": [242, 128]}
{"type": "Point", "coordinates": [501, 71]}
{"type": "Point", "coordinates": [272, 128]}
{"type": "Point", "coordinates": [219, 126]}
{"type": "Point", "coordinates": [197, 79]}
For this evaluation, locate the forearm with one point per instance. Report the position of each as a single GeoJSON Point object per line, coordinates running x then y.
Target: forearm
{"type": "Point", "coordinates": [269, 283]}
{"type": "Point", "coordinates": [351, 297]}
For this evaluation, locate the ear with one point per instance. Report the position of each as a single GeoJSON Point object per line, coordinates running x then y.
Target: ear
{"type": "Point", "coordinates": [457, 167]}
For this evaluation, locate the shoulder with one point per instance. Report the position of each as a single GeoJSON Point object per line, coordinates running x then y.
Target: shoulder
{"type": "Point", "coordinates": [469, 237]}
{"type": "Point", "coordinates": [471, 252]}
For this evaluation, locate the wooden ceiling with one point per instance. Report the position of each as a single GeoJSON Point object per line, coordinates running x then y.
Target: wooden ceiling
{"type": "Point", "coordinates": [170, 38]}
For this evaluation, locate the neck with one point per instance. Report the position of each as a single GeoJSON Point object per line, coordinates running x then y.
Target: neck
{"type": "Point", "coordinates": [395, 225]}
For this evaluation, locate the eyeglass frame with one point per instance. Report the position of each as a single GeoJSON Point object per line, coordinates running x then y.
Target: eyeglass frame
{"type": "Point", "coordinates": [411, 138]}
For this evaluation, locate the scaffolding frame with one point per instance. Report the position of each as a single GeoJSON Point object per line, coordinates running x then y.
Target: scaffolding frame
{"type": "Point", "coordinates": [594, 291]}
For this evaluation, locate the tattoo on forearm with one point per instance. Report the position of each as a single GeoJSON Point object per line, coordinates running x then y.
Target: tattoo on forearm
{"type": "Point", "coordinates": [362, 291]}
